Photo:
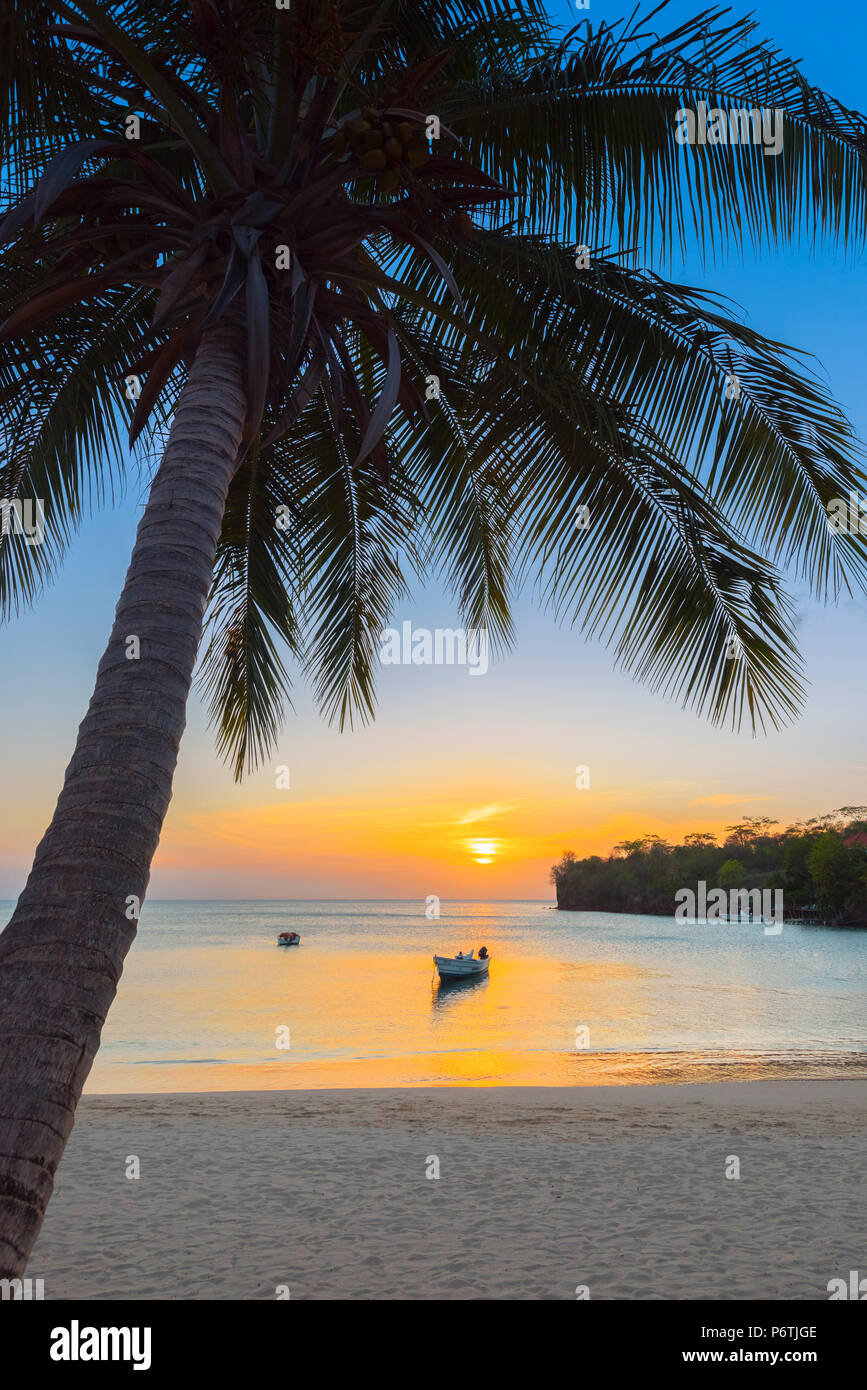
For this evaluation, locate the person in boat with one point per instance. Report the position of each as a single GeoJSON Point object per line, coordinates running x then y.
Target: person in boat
{"type": "Point", "coordinates": [483, 953]}
{"type": "Point", "coordinates": [459, 956]}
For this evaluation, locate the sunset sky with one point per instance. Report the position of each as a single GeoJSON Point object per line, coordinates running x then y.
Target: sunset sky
{"type": "Point", "coordinates": [465, 786]}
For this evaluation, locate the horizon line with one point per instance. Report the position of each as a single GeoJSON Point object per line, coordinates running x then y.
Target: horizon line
{"type": "Point", "coordinates": [327, 900]}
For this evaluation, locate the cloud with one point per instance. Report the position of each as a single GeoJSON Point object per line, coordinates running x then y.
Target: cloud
{"type": "Point", "coordinates": [488, 812]}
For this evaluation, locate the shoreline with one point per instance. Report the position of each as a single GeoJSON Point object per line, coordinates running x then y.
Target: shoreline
{"type": "Point", "coordinates": [540, 1189]}
{"type": "Point", "coordinates": [581, 1069]}
{"type": "Point", "coordinates": [657, 910]}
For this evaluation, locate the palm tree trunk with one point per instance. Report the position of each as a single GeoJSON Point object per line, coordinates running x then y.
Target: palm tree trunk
{"type": "Point", "coordinates": [62, 954]}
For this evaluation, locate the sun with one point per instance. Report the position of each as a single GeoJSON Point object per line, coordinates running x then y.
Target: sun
{"type": "Point", "coordinates": [483, 851]}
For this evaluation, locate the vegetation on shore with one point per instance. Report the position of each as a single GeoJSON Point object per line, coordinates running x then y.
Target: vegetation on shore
{"type": "Point", "coordinates": [820, 864]}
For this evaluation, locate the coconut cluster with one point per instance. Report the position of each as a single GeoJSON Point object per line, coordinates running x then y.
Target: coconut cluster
{"type": "Point", "coordinates": [386, 149]}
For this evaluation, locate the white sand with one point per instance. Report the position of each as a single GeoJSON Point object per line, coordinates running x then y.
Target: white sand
{"type": "Point", "coordinates": [541, 1189]}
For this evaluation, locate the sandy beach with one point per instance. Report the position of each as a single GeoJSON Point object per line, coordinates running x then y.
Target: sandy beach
{"type": "Point", "coordinates": [618, 1188]}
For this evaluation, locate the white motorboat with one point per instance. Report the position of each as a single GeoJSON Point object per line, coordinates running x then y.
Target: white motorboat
{"type": "Point", "coordinates": [289, 938]}
{"type": "Point", "coordinates": [462, 966]}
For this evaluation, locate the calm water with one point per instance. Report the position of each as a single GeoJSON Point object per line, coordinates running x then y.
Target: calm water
{"type": "Point", "coordinates": [206, 992]}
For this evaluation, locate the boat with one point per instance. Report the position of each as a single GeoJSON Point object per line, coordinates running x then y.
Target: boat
{"type": "Point", "coordinates": [289, 938]}
{"type": "Point", "coordinates": [463, 966]}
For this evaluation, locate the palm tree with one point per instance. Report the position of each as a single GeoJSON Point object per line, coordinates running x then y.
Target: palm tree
{"type": "Point", "coordinates": [362, 353]}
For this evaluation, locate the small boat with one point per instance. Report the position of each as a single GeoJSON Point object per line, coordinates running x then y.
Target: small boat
{"type": "Point", "coordinates": [462, 966]}
{"type": "Point", "coordinates": [289, 938]}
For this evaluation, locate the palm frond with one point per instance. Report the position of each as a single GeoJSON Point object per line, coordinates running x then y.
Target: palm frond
{"type": "Point", "coordinates": [62, 408]}
{"type": "Point", "coordinates": [749, 416]}
{"type": "Point", "coordinates": [254, 611]}
{"type": "Point", "coordinates": [301, 133]}
{"type": "Point", "coordinates": [587, 134]}
{"type": "Point", "coordinates": [359, 543]}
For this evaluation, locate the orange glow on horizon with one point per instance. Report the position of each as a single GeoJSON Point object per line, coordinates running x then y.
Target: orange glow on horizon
{"type": "Point", "coordinates": [402, 841]}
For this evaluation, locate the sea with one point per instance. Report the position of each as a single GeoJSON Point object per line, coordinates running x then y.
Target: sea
{"type": "Point", "coordinates": [209, 1002]}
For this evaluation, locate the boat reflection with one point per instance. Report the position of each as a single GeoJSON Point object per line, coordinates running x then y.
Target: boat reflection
{"type": "Point", "coordinates": [447, 991]}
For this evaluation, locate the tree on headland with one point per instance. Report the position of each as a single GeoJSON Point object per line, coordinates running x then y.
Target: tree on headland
{"type": "Point", "coordinates": [811, 865]}
{"type": "Point", "coordinates": [730, 874]}
{"type": "Point", "coordinates": [340, 266]}
{"type": "Point", "coordinates": [628, 847]}
{"type": "Point", "coordinates": [750, 830]}
{"type": "Point", "coordinates": [837, 871]}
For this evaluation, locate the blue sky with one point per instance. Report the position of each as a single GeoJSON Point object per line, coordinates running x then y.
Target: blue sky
{"type": "Point", "coordinates": [506, 744]}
